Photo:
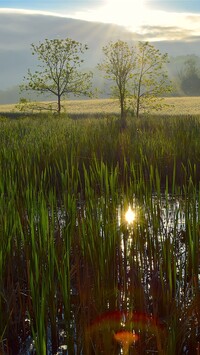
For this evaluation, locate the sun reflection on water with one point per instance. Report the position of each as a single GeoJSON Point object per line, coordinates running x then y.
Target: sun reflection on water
{"type": "Point", "coordinates": [130, 215]}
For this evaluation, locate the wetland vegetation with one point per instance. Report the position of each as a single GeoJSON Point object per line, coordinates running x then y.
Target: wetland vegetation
{"type": "Point", "coordinates": [75, 276]}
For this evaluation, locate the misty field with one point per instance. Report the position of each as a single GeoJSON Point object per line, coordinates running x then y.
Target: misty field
{"type": "Point", "coordinates": [174, 105]}
{"type": "Point", "coordinates": [78, 275]}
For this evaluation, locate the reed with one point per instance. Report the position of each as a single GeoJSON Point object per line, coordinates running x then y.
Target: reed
{"type": "Point", "coordinates": [73, 271]}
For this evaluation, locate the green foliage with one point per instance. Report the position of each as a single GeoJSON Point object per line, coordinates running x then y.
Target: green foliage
{"type": "Point", "coordinates": [150, 80]}
{"type": "Point", "coordinates": [59, 72]}
{"type": "Point", "coordinates": [118, 66]}
{"type": "Point", "coordinates": [139, 74]}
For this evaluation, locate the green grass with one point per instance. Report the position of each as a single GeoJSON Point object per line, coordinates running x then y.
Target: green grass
{"type": "Point", "coordinates": [72, 272]}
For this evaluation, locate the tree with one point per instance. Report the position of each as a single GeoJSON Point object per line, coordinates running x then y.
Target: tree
{"type": "Point", "coordinates": [150, 80]}
{"type": "Point", "coordinates": [190, 76]}
{"type": "Point", "coordinates": [118, 65]}
{"type": "Point", "coordinates": [59, 72]}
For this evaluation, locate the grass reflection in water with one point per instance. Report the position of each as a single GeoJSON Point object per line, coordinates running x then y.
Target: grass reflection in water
{"type": "Point", "coordinates": [69, 262]}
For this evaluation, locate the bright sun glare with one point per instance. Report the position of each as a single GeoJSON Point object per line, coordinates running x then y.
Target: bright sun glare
{"type": "Point", "coordinates": [130, 216]}
{"type": "Point", "coordinates": [124, 12]}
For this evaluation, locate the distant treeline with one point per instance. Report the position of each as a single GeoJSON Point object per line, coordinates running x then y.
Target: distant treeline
{"type": "Point", "coordinates": [184, 71]}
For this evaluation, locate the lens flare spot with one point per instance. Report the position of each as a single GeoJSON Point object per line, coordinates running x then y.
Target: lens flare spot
{"type": "Point", "coordinates": [125, 338]}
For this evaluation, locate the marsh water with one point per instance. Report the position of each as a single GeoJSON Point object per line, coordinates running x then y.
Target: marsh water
{"type": "Point", "coordinates": [140, 274]}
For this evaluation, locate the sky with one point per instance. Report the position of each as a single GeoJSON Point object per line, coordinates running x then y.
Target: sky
{"type": "Point", "coordinates": [157, 19]}
{"type": "Point", "coordinates": [174, 24]}
{"type": "Point", "coordinates": [169, 5]}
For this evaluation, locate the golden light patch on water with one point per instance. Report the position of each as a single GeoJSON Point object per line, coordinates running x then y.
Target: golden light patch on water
{"type": "Point", "coordinates": [130, 215]}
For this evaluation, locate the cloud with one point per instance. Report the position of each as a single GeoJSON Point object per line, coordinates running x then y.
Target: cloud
{"type": "Point", "coordinates": [171, 26]}
{"type": "Point", "coordinates": [140, 22]}
{"type": "Point", "coordinates": [29, 25]}
{"type": "Point", "coordinates": [20, 28]}
{"type": "Point", "coordinates": [166, 33]}
{"type": "Point", "coordinates": [30, 12]}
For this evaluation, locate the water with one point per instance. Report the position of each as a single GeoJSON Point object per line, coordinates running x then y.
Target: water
{"type": "Point", "coordinates": [150, 253]}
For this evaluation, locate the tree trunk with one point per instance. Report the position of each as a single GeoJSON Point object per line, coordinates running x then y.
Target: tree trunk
{"type": "Point", "coordinates": [123, 114]}
{"type": "Point", "coordinates": [59, 104]}
{"type": "Point", "coordinates": [138, 106]}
